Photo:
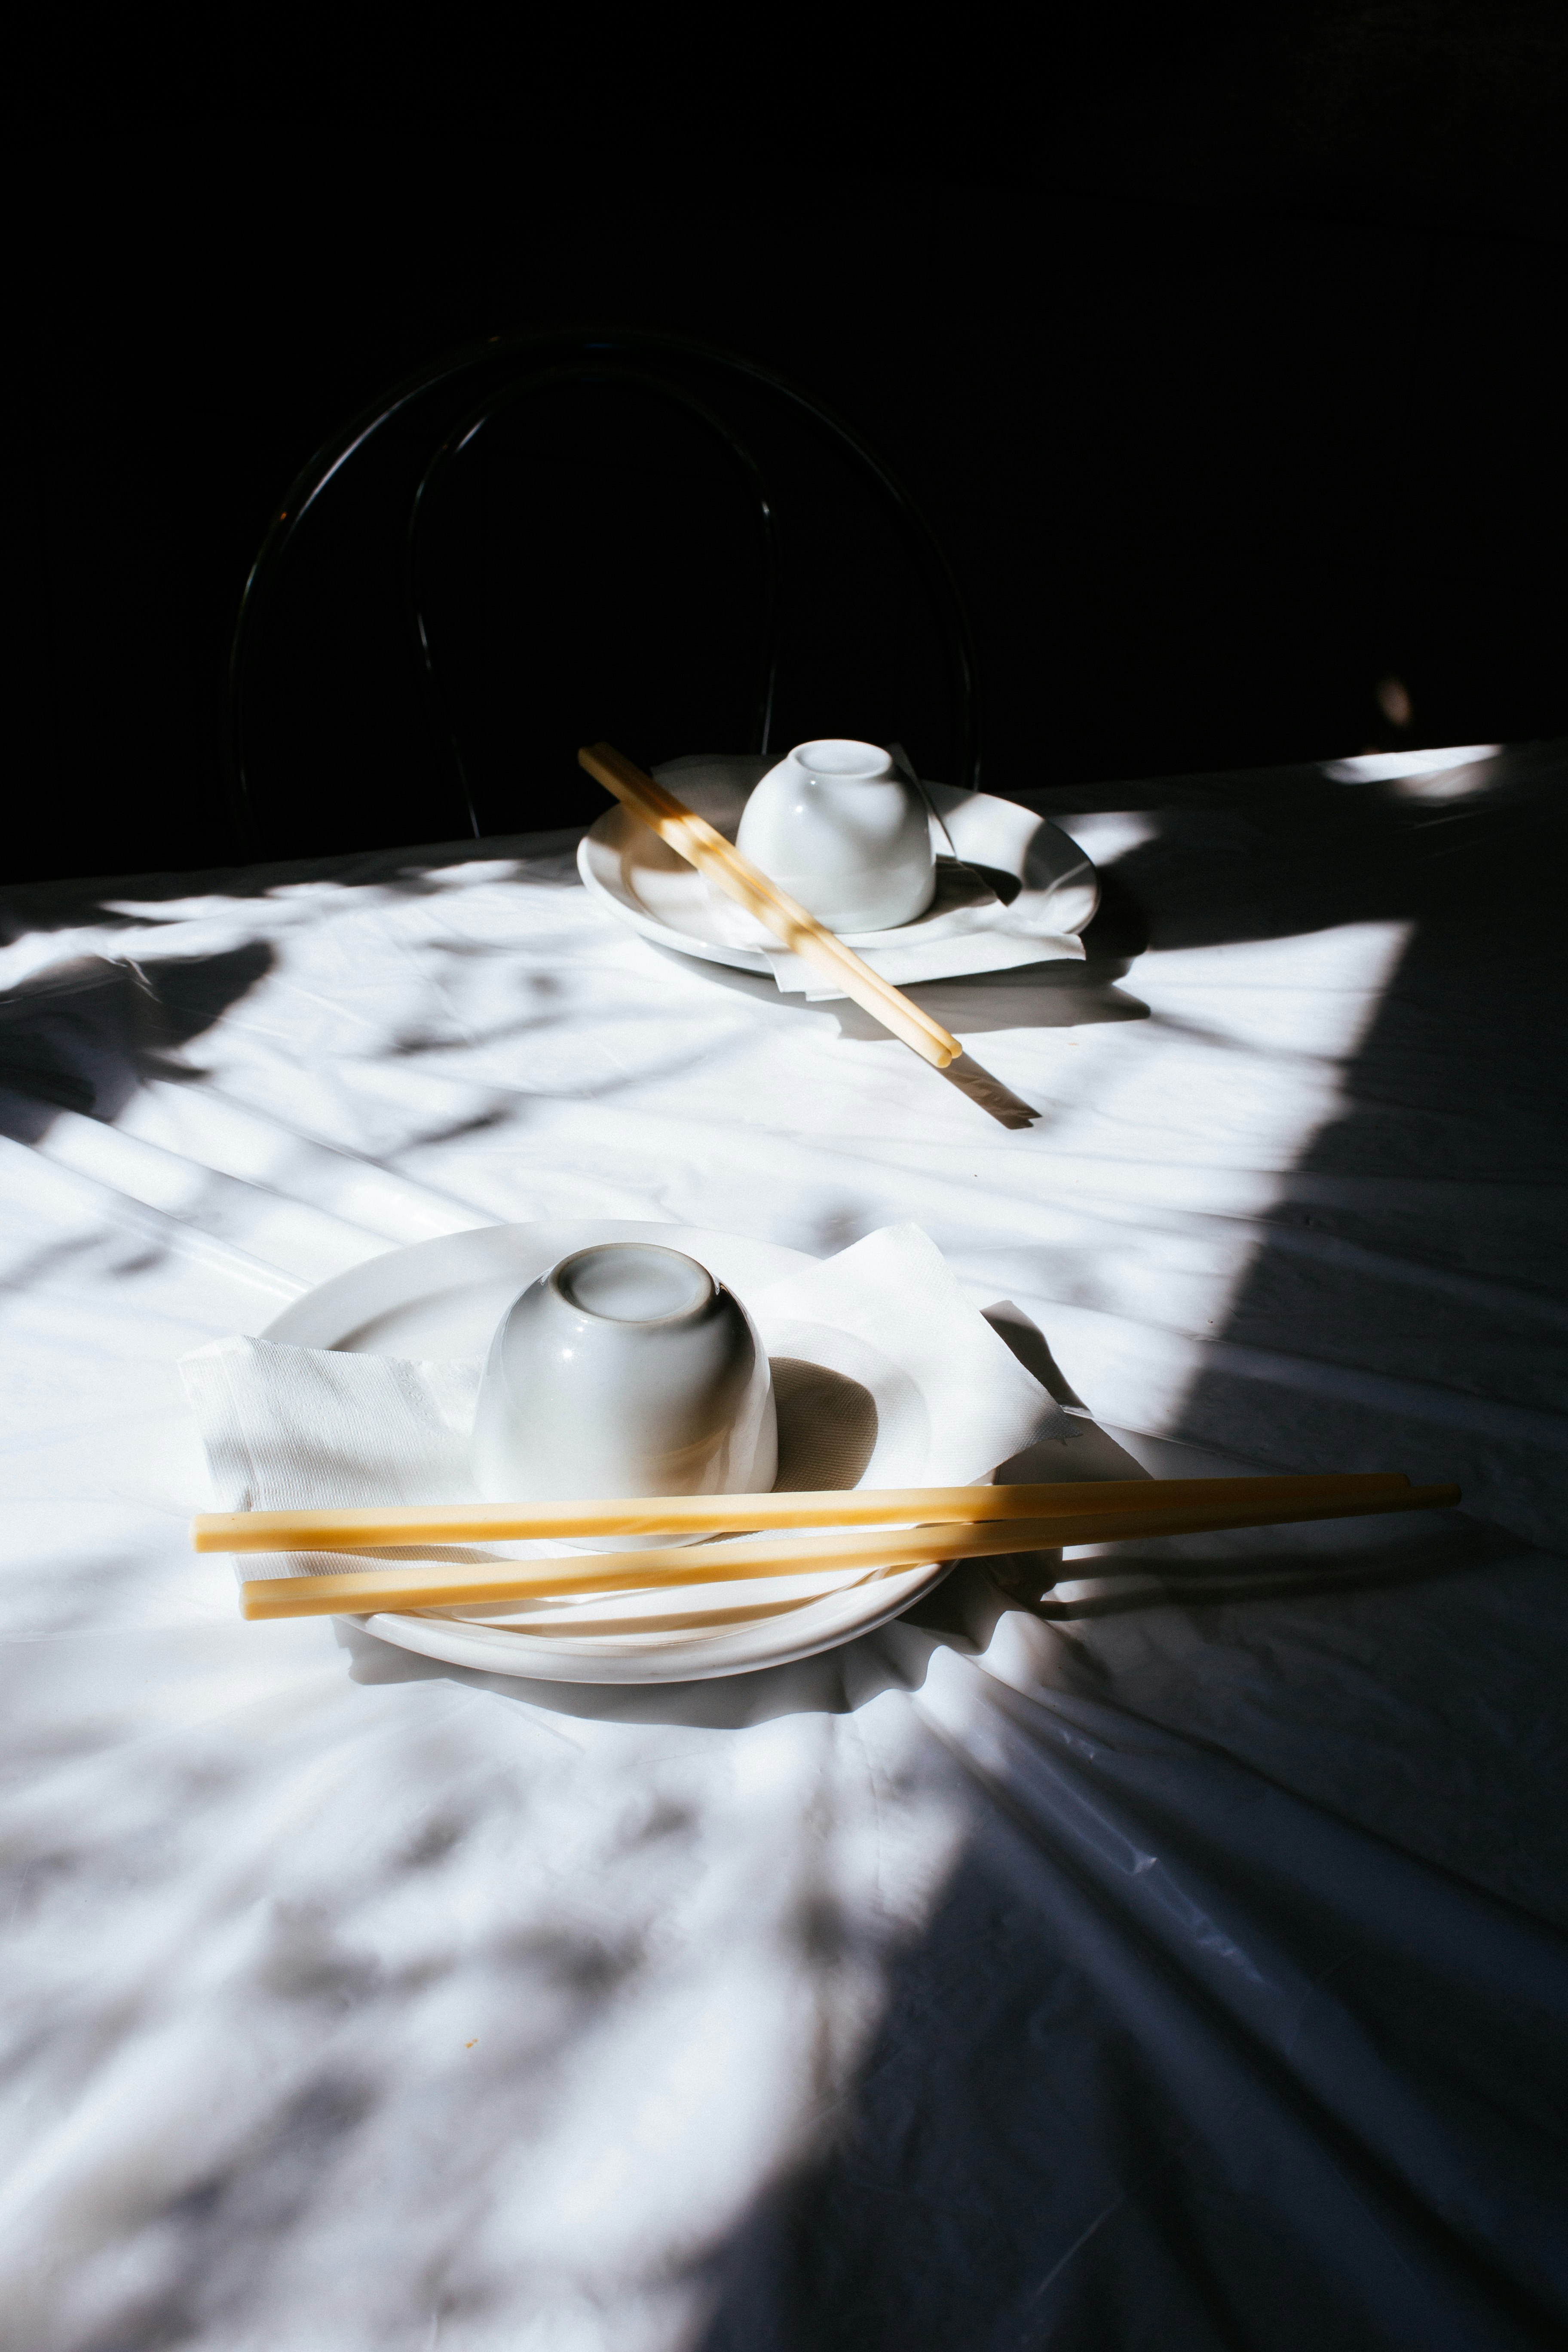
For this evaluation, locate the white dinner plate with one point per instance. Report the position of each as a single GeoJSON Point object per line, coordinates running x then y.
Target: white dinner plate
{"type": "Point", "coordinates": [444, 1299]}
{"type": "Point", "coordinates": [1018, 892]}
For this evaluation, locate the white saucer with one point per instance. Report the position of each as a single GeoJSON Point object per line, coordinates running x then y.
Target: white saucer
{"type": "Point", "coordinates": [444, 1299]}
{"type": "Point", "coordinates": [1044, 891]}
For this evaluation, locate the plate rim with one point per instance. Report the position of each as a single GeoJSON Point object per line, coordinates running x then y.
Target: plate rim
{"type": "Point", "coordinates": [601, 834]}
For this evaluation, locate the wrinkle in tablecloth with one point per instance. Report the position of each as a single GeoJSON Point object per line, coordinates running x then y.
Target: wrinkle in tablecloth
{"type": "Point", "coordinates": [1176, 1958]}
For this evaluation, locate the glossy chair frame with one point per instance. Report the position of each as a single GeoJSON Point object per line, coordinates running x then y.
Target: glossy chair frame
{"type": "Point", "coordinates": [437, 474]}
{"type": "Point", "coordinates": [597, 354]}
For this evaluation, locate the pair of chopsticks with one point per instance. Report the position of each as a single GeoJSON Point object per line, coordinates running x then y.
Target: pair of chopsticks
{"type": "Point", "coordinates": [695, 840]}
{"type": "Point", "coordinates": [907, 1526]}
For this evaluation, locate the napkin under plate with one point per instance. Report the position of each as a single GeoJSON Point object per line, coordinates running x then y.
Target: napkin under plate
{"type": "Point", "coordinates": [289, 1428]}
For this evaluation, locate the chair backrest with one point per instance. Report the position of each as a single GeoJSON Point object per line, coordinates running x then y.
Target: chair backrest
{"type": "Point", "coordinates": [560, 535]}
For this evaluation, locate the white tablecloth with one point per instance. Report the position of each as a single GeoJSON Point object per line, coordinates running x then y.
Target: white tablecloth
{"type": "Point", "coordinates": [1174, 1959]}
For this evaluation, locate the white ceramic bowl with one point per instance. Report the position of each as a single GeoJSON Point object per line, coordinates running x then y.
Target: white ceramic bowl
{"type": "Point", "coordinates": [837, 826]}
{"type": "Point", "coordinates": [626, 1370]}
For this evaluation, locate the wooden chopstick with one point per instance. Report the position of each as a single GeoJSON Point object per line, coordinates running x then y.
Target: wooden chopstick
{"type": "Point", "coordinates": [379, 1528]}
{"type": "Point", "coordinates": [439, 1585]}
{"type": "Point", "coordinates": [697, 841]}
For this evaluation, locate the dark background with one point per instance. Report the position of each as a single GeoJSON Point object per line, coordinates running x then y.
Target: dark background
{"type": "Point", "coordinates": [1224, 358]}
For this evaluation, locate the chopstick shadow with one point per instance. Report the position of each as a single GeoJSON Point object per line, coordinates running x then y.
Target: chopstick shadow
{"type": "Point", "coordinates": [987, 1093]}
{"type": "Point", "coordinates": [1032, 996]}
{"type": "Point", "coordinates": [1057, 995]}
{"type": "Point", "coordinates": [1199, 1571]}
{"type": "Point", "coordinates": [1061, 995]}
{"type": "Point", "coordinates": [963, 1610]}
{"type": "Point", "coordinates": [1035, 996]}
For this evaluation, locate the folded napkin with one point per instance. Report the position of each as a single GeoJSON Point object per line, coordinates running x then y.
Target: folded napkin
{"type": "Point", "coordinates": [290, 1428]}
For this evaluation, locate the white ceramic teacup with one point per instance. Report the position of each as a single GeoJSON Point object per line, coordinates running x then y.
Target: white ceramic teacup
{"type": "Point", "coordinates": [837, 826]}
{"type": "Point", "coordinates": [626, 1370]}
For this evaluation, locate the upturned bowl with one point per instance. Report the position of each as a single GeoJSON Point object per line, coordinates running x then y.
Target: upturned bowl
{"type": "Point", "coordinates": [838, 828]}
{"type": "Point", "coordinates": [626, 1370]}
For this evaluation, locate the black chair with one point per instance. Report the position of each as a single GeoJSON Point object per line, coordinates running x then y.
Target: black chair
{"type": "Point", "coordinates": [557, 536]}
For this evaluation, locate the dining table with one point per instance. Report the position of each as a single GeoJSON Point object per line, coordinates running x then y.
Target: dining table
{"type": "Point", "coordinates": [1160, 1944]}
